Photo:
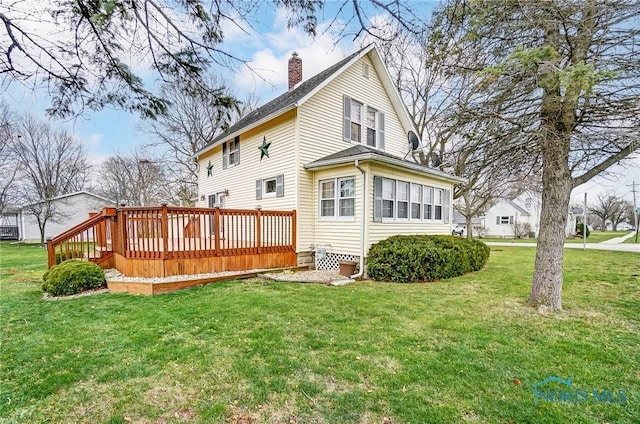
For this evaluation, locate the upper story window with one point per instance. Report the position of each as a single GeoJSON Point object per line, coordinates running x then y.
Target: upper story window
{"type": "Point", "coordinates": [231, 153]}
{"type": "Point", "coordinates": [337, 198]}
{"type": "Point", "coordinates": [363, 123]}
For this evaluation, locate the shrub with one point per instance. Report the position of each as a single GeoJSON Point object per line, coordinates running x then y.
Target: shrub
{"type": "Point", "coordinates": [580, 228]}
{"type": "Point", "coordinates": [64, 256]}
{"type": "Point", "coordinates": [71, 277]}
{"type": "Point", "coordinates": [404, 259]}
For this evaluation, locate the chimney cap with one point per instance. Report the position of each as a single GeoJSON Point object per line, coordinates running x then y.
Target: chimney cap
{"type": "Point", "coordinates": [294, 54]}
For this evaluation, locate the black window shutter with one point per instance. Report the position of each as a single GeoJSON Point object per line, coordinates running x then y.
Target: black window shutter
{"type": "Point", "coordinates": [258, 189]}
{"type": "Point", "coordinates": [347, 119]}
{"type": "Point", "coordinates": [224, 155]}
{"type": "Point", "coordinates": [380, 130]}
{"type": "Point", "coordinates": [237, 148]}
{"type": "Point", "coordinates": [280, 185]}
{"type": "Point", "coordinates": [377, 199]}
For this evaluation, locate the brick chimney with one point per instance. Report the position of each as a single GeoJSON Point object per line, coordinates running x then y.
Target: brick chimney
{"type": "Point", "coordinates": [295, 70]}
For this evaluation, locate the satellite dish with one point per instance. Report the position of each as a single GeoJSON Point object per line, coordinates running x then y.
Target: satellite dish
{"type": "Point", "coordinates": [436, 160]}
{"type": "Point", "coordinates": [414, 141]}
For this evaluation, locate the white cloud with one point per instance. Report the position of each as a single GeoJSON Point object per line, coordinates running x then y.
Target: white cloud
{"type": "Point", "coordinates": [93, 140]}
{"type": "Point", "coordinates": [267, 71]}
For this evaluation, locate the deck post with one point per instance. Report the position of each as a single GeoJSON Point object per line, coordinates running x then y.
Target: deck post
{"type": "Point", "coordinates": [294, 229]}
{"type": "Point", "coordinates": [259, 230]}
{"type": "Point", "coordinates": [124, 233]}
{"type": "Point", "coordinates": [51, 253]}
{"type": "Point", "coordinates": [165, 231]}
{"type": "Point", "coordinates": [216, 231]}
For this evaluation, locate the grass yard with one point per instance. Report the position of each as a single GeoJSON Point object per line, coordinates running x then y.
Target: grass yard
{"type": "Point", "coordinates": [594, 237]}
{"type": "Point", "coordinates": [461, 350]}
{"type": "Point", "coordinates": [633, 239]}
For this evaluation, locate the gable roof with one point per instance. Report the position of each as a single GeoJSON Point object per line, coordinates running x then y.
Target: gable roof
{"type": "Point", "coordinates": [365, 153]}
{"type": "Point", "coordinates": [517, 207]}
{"type": "Point", "coordinates": [296, 97]}
{"type": "Point", "coordinates": [75, 193]}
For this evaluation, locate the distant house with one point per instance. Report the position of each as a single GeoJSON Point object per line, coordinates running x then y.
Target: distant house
{"type": "Point", "coordinates": [70, 210]}
{"type": "Point", "coordinates": [333, 148]}
{"type": "Point", "coordinates": [517, 217]}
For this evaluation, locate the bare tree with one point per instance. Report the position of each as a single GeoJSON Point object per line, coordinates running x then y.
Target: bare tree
{"type": "Point", "coordinates": [51, 164]}
{"type": "Point", "coordinates": [192, 120]}
{"type": "Point", "coordinates": [620, 214]}
{"type": "Point", "coordinates": [134, 179]}
{"type": "Point", "coordinates": [605, 207]}
{"type": "Point", "coordinates": [8, 162]}
{"type": "Point", "coordinates": [562, 80]}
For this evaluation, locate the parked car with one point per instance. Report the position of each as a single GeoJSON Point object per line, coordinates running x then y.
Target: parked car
{"type": "Point", "coordinates": [457, 231]}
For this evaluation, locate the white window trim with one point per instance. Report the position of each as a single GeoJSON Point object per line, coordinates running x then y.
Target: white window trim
{"type": "Point", "coordinates": [408, 201]}
{"type": "Point", "coordinates": [227, 152]}
{"type": "Point", "coordinates": [265, 194]}
{"type": "Point", "coordinates": [379, 124]}
{"type": "Point", "coordinates": [441, 204]}
{"type": "Point", "coordinates": [336, 200]}
{"type": "Point", "coordinates": [412, 188]}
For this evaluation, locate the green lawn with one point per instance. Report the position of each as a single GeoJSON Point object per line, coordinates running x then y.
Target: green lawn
{"type": "Point", "coordinates": [633, 239]}
{"type": "Point", "coordinates": [443, 352]}
{"type": "Point", "coordinates": [594, 237]}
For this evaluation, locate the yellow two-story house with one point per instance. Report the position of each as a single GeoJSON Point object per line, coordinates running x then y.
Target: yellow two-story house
{"type": "Point", "coordinates": [334, 148]}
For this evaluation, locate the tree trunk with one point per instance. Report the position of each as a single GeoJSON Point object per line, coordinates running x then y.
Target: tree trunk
{"type": "Point", "coordinates": [546, 290]}
{"type": "Point", "coordinates": [469, 227]}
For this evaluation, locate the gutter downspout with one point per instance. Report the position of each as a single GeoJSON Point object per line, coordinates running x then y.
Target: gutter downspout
{"type": "Point", "coordinates": [360, 272]}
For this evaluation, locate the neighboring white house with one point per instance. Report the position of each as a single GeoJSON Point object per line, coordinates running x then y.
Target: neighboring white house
{"type": "Point", "coordinates": [522, 212]}
{"type": "Point", "coordinates": [70, 210]}
{"type": "Point", "coordinates": [332, 148]}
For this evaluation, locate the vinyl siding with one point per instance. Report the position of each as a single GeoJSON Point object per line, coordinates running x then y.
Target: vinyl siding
{"type": "Point", "coordinates": [503, 208]}
{"type": "Point", "coordinates": [71, 211]}
{"type": "Point", "coordinates": [381, 230]}
{"type": "Point", "coordinates": [240, 180]}
{"type": "Point", "coordinates": [344, 236]}
{"type": "Point", "coordinates": [341, 235]}
{"type": "Point", "coordinates": [320, 121]}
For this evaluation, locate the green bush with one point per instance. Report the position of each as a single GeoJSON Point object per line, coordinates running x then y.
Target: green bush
{"type": "Point", "coordinates": [404, 259]}
{"type": "Point", "coordinates": [71, 277]}
{"type": "Point", "coordinates": [580, 229]}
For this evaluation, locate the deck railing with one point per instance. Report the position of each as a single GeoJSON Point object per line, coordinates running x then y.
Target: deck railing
{"type": "Point", "coordinates": [91, 239]}
{"type": "Point", "coordinates": [163, 232]}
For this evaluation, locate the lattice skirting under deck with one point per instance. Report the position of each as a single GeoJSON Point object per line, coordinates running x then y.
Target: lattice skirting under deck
{"type": "Point", "coordinates": [331, 261]}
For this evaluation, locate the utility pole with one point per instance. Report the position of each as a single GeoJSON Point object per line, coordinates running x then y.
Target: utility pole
{"type": "Point", "coordinates": [636, 210]}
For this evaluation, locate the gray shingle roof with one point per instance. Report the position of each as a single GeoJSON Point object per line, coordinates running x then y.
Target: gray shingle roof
{"type": "Point", "coordinates": [287, 99]}
{"type": "Point", "coordinates": [363, 152]}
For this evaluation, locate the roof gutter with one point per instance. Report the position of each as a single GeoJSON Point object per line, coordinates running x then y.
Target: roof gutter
{"type": "Point", "coordinates": [360, 272]}
{"type": "Point", "coordinates": [390, 161]}
{"type": "Point", "coordinates": [220, 139]}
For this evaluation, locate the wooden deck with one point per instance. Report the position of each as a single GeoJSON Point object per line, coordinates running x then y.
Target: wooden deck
{"type": "Point", "coordinates": [164, 241]}
{"type": "Point", "coordinates": [156, 287]}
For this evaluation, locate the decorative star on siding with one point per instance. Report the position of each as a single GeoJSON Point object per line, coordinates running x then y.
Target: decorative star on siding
{"type": "Point", "coordinates": [209, 169]}
{"type": "Point", "coordinates": [264, 149]}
